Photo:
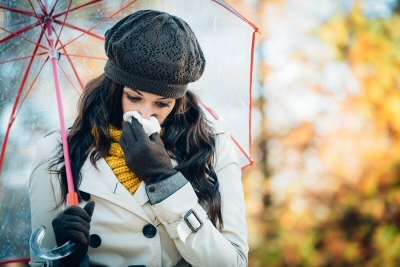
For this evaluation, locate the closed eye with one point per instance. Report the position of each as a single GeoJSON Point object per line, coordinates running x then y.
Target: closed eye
{"type": "Point", "coordinates": [133, 98]}
{"type": "Point", "coordinates": [162, 104]}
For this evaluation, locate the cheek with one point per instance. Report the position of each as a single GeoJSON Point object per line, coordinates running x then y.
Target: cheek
{"type": "Point", "coordinates": [164, 115]}
{"type": "Point", "coordinates": [127, 105]}
{"type": "Point", "coordinates": [124, 105]}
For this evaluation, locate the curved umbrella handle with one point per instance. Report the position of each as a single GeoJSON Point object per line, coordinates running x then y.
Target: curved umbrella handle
{"type": "Point", "coordinates": [35, 242]}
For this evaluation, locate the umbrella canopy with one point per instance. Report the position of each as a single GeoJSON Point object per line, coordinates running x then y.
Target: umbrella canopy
{"type": "Point", "coordinates": [70, 33]}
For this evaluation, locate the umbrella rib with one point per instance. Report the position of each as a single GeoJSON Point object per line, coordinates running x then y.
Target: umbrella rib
{"type": "Point", "coordinates": [14, 34]}
{"type": "Point", "coordinates": [14, 110]}
{"type": "Point", "coordinates": [212, 112]}
{"type": "Point", "coordinates": [253, 42]}
{"type": "Point", "coordinates": [54, 7]}
{"type": "Point", "coordinates": [70, 61]}
{"type": "Point", "coordinates": [25, 57]}
{"type": "Point", "coordinates": [16, 10]}
{"type": "Point", "coordinates": [72, 26]}
{"type": "Point", "coordinates": [101, 22]}
{"type": "Point", "coordinates": [42, 7]}
{"type": "Point", "coordinates": [84, 56]}
{"type": "Point", "coordinates": [75, 8]}
{"type": "Point", "coordinates": [215, 115]}
{"type": "Point", "coordinates": [73, 67]}
{"type": "Point", "coordinates": [242, 149]}
{"type": "Point", "coordinates": [31, 86]}
{"type": "Point", "coordinates": [231, 9]}
{"type": "Point", "coordinates": [26, 76]}
{"type": "Point", "coordinates": [69, 79]}
{"type": "Point", "coordinates": [33, 8]}
{"type": "Point", "coordinates": [62, 25]}
{"type": "Point", "coordinates": [26, 39]}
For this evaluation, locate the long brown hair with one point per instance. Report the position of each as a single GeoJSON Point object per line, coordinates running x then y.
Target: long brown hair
{"type": "Point", "coordinates": [187, 137]}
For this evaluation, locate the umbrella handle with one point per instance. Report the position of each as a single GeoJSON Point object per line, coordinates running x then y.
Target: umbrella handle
{"type": "Point", "coordinates": [35, 242]}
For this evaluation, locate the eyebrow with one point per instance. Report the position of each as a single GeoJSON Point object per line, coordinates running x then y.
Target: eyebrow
{"type": "Point", "coordinates": [142, 94]}
{"type": "Point", "coordinates": [137, 91]}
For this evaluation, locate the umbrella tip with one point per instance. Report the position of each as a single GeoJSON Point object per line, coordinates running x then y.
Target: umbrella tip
{"type": "Point", "coordinates": [252, 163]}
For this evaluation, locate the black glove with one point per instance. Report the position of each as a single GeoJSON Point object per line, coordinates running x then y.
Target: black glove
{"type": "Point", "coordinates": [73, 225]}
{"type": "Point", "coordinates": [145, 155]}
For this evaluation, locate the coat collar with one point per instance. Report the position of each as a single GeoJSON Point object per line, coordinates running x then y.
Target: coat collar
{"type": "Point", "coordinates": [103, 183]}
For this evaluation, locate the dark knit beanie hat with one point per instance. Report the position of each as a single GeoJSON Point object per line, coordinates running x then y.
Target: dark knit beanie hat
{"type": "Point", "coordinates": [155, 52]}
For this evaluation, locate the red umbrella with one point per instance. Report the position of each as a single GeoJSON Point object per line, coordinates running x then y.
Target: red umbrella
{"type": "Point", "coordinates": [50, 49]}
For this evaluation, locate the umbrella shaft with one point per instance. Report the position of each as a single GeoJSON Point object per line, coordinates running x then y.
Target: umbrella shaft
{"type": "Point", "coordinates": [72, 199]}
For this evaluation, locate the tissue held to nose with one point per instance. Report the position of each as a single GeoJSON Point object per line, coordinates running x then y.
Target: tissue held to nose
{"type": "Point", "coordinates": [150, 126]}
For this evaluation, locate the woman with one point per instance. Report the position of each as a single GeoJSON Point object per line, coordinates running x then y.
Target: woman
{"type": "Point", "coordinates": [173, 199]}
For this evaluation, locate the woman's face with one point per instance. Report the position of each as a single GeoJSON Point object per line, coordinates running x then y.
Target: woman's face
{"type": "Point", "coordinates": [147, 104]}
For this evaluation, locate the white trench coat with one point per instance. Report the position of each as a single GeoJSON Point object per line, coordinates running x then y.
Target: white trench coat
{"type": "Point", "coordinates": [121, 220]}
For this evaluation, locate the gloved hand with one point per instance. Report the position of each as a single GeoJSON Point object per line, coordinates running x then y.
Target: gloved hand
{"type": "Point", "coordinates": [145, 155]}
{"type": "Point", "coordinates": [73, 225]}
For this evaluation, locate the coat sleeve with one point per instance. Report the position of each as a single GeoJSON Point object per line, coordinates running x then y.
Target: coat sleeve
{"type": "Point", "coordinates": [42, 194]}
{"type": "Point", "coordinates": [210, 246]}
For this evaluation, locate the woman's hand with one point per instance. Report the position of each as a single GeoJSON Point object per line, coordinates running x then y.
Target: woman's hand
{"type": "Point", "coordinates": [145, 155]}
{"type": "Point", "coordinates": [73, 225]}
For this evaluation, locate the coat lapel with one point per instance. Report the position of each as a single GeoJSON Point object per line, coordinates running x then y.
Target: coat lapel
{"type": "Point", "coordinates": [103, 183]}
{"type": "Point", "coordinates": [140, 195]}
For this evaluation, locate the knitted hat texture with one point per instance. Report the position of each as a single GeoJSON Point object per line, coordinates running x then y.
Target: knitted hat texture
{"type": "Point", "coordinates": [155, 52]}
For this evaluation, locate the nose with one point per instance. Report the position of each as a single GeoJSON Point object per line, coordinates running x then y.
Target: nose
{"type": "Point", "coordinates": [146, 112]}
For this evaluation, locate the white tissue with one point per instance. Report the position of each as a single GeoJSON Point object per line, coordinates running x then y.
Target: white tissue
{"type": "Point", "coordinates": [150, 126]}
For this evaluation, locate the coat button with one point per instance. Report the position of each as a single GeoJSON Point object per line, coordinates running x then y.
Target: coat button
{"type": "Point", "coordinates": [85, 196]}
{"type": "Point", "coordinates": [149, 230]}
{"type": "Point", "coordinates": [94, 241]}
{"type": "Point", "coordinates": [152, 189]}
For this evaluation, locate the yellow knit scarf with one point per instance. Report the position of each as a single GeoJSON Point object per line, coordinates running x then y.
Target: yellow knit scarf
{"type": "Point", "coordinates": [116, 161]}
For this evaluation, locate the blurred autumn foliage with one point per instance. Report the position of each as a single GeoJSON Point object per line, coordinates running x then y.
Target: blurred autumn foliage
{"type": "Point", "coordinates": [326, 190]}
